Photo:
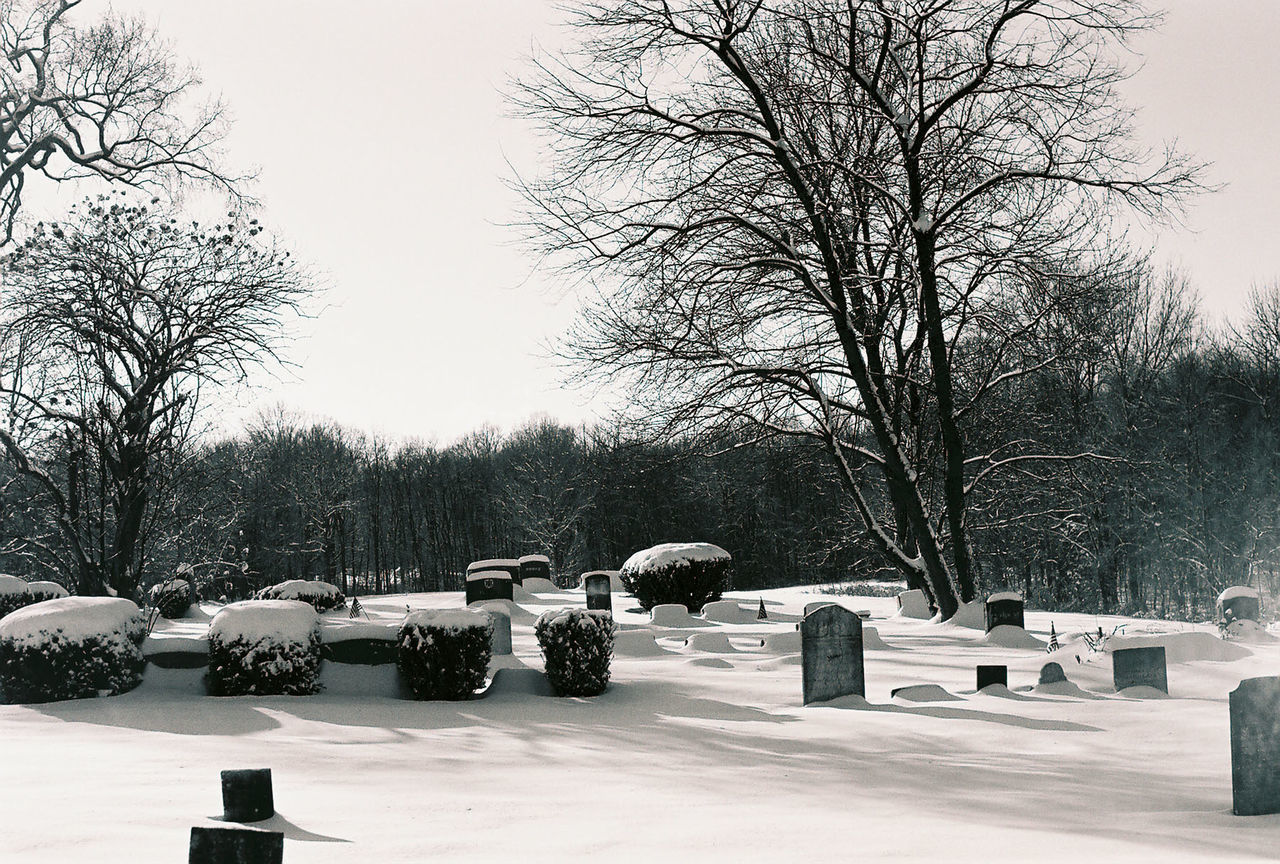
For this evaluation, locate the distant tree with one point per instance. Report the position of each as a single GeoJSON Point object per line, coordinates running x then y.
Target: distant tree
{"type": "Point", "coordinates": [105, 100]}
{"type": "Point", "coordinates": [113, 322]}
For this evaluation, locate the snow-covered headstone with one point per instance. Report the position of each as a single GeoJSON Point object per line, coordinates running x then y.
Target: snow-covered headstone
{"type": "Point", "coordinates": [1051, 673]}
{"type": "Point", "coordinates": [534, 567]}
{"type": "Point", "coordinates": [500, 642]}
{"type": "Point", "coordinates": [599, 592]}
{"type": "Point", "coordinates": [1239, 603]}
{"type": "Point", "coordinates": [914, 604]}
{"type": "Point", "coordinates": [238, 845]}
{"type": "Point", "coordinates": [988, 675]}
{"type": "Point", "coordinates": [246, 795]}
{"type": "Point", "coordinates": [831, 654]}
{"type": "Point", "coordinates": [511, 566]}
{"type": "Point", "coordinates": [1255, 747]}
{"type": "Point", "coordinates": [1004, 608]}
{"type": "Point", "coordinates": [1140, 667]}
{"type": "Point", "coordinates": [484, 585]}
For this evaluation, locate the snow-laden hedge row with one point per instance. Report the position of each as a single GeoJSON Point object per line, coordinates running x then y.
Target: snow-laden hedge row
{"type": "Point", "coordinates": [321, 595]}
{"type": "Point", "coordinates": [172, 598]}
{"type": "Point", "coordinates": [691, 574]}
{"type": "Point", "coordinates": [265, 647]}
{"type": "Point", "coordinates": [577, 645]}
{"type": "Point", "coordinates": [14, 594]}
{"type": "Point", "coordinates": [41, 591]}
{"type": "Point", "coordinates": [71, 648]}
{"type": "Point", "coordinates": [445, 654]}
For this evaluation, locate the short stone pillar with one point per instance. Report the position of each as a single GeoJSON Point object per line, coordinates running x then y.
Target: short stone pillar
{"type": "Point", "coordinates": [1139, 667]}
{"type": "Point", "coordinates": [1255, 747]}
{"type": "Point", "coordinates": [1004, 608]}
{"type": "Point", "coordinates": [599, 592]}
{"type": "Point", "coordinates": [1051, 673]}
{"type": "Point", "coordinates": [500, 642]}
{"type": "Point", "coordinates": [246, 795]}
{"type": "Point", "coordinates": [485, 585]}
{"type": "Point", "coordinates": [1239, 603]}
{"type": "Point", "coordinates": [831, 654]}
{"type": "Point", "coordinates": [988, 675]}
{"type": "Point", "coordinates": [535, 567]}
{"type": "Point", "coordinates": [235, 846]}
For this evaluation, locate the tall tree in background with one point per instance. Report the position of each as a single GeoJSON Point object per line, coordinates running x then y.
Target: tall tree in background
{"type": "Point", "coordinates": [799, 210]}
{"type": "Point", "coordinates": [113, 322]}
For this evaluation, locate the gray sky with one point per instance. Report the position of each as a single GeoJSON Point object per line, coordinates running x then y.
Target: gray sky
{"type": "Point", "coordinates": [381, 144]}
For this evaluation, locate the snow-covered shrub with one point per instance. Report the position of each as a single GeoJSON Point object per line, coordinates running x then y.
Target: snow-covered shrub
{"type": "Point", "coordinates": [577, 645]}
{"type": "Point", "coordinates": [172, 598]}
{"type": "Point", "coordinates": [265, 647]}
{"type": "Point", "coordinates": [41, 591]}
{"type": "Point", "coordinates": [691, 574]}
{"type": "Point", "coordinates": [444, 654]}
{"type": "Point", "coordinates": [71, 648]}
{"type": "Point", "coordinates": [321, 595]}
{"type": "Point", "coordinates": [14, 594]}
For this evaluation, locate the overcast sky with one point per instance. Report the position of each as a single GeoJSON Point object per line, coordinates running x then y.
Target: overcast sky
{"type": "Point", "coordinates": [378, 131]}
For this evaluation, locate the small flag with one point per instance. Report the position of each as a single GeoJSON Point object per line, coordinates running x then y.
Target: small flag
{"type": "Point", "coordinates": [762, 615]}
{"type": "Point", "coordinates": [356, 609]}
{"type": "Point", "coordinates": [1053, 638]}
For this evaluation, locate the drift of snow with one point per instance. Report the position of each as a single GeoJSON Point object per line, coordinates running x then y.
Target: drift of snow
{"type": "Point", "coordinates": [1185, 647]}
{"type": "Point", "coordinates": [256, 620]}
{"type": "Point", "coordinates": [12, 585]}
{"type": "Point", "coordinates": [1011, 636]}
{"type": "Point", "coordinates": [449, 619]}
{"type": "Point", "coordinates": [73, 618]}
{"type": "Point", "coordinates": [47, 588]}
{"type": "Point", "coordinates": [539, 585]}
{"type": "Point", "coordinates": [672, 615]}
{"type": "Point", "coordinates": [637, 643]}
{"type": "Point", "coordinates": [670, 553]}
{"type": "Point", "coordinates": [710, 643]}
{"type": "Point", "coordinates": [924, 693]}
{"type": "Point", "coordinates": [786, 642]}
{"type": "Point", "coordinates": [346, 629]}
{"type": "Point", "coordinates": [1248, 631]}
{"type": "Point", "coordinates": [972, 615]}
{"type": "Point", "coordinates": [728, 612]}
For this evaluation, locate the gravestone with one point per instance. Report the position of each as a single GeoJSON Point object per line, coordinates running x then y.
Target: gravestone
{"type": "Point", "coordinates": [988, 675]}
{"type": "Point", "coordinates": [511, 566]}
{"type": "Point", "coordinates": [1239, 603]}
{"type": "Point", "coordinates": [535, 567]}
{"type": "Point", "coordinates": [1051, 673]}
{"type": "Point", "coordinates": [500, 642]}
{"type": "Point", "coordinates": [831, 654]}
{"type": "Point", "coordinates": [1139, 667]}
{"type": "Point", "coordinates": [1255, 747]}
{"type": "Point", "coordinates": [235, 846]}
{"type": "Point", "coordinates": [818, 604]}
{"type": "Point", "coordinates": [1004, 608]}
{"type": "Point", "coordinates": [485, 585]}
{"type": "Point", "coordinates": [246, 795]}
{"type": "Point", "coordinates": [599, 593]}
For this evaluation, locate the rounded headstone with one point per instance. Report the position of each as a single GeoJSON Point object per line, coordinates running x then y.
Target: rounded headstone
{"type": "Point", "coordinates": [246, 795]}
{"type": "Point", "coordinates": [599, 591]}
{"type": "Point", "coordinates": [831, 654]}
{"type": "Point", "coordinates": [1051, 673]}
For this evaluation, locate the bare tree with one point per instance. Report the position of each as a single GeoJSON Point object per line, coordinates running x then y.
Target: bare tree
{"type": "Point", "coordinates": [798, 209]}
{"type": "Point", "coordinates": [107, 100]}
{"type": "Point", "coordinates": [115, 320]}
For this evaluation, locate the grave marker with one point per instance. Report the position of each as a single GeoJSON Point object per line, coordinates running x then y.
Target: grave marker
{"type": "Point", "coordinates": [1004, 608]}
{"type": "Point", "coordinates": [1139, 667]}
{"type": "Point", "coordinates": [1255, 747]}
{"type": "Point", "coordinates": [988, 675]}
{"type": "Point", "coordinates": [500, 642]}
{"type": "Point", "coordinates": [1051, 673]}
{"type": "Point", "coordinates": [485, 585]}
{"type": "Point", "coordinates": [246, 795]}
{"type": "Point", "coordinates": [534, 567]}
{"type": "Point", "coordinates": [235, 846]}
{"type": "Point", "coordinates": [599, 592]}
{"type": "Point", "coordinates": [831, 654]}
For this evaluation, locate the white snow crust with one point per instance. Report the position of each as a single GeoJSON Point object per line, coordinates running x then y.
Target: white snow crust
{"type": "Point", "coordinates": [278, 621]}
{"type": "Point", "coordinates": [12, 584]}
{"type": "Point", "coordinates": [450, 619]}
{"type": "Point", "coordinates": [73, 618]}
{"type": "Point", "coordinates": [47, 588]}
{"type": "Point", "coordinates": [478, 575]}
{"type": "Point", "coordinates": [1238, 591]}
{"type": "Point", "coordinates": [532, 558]}
{"type": "Point", "coordinates": [493, 564]}
{"type": "Point", "coordinates": [292, 589]}
{"type": "Point", "coordinates": [1004, 595]}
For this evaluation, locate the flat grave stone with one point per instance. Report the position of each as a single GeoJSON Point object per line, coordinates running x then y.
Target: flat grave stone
{"type": "Point", "coordinates": [485, 585]}
{"type": "Point", "coordinates": [1255, 747]}
{"type": "Point", "coordinates": [246, 795]}
{"type": "Point", "coordinates": [235, 846]}
{"type": "Point", "coordinates": [501, 641]}
{"type": "Point", "coordinates": [831, 654]}
{"type": "Point", "coordinates": [988, 675]}
{"type": "Point", "coordinates": [1051, 673]}
{"type": "Point", "coordinates": [360, 652]}
{"type": "Point", "coordinates": [1140, 667]}
{"type": "Point", "coordinates": [599, 592]}
{"type": "Point", "coordinates": [1004, 608]}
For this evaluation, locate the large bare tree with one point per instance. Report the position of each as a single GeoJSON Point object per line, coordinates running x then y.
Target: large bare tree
{"type": "Point", "coordinates": [113, 322]}
{"type": "Point", "coordinates": [798, 211]}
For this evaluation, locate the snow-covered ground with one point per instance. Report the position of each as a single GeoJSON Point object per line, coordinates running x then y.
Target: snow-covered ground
{"type": "Point", "coordinates": [696, 753]}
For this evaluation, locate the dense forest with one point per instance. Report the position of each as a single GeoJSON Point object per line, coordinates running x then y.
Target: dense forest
{"type": "Point", "coordinates": [1174, 492]}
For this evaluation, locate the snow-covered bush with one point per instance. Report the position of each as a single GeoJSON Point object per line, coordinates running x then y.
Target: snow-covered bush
{"type": "Point", "coordinates": [321, 595]}
{"type": "Point", "coordinates": [265, 647]}
{"type": "Point", "coordinates": [577, 645]}
{"type": "Point", "coordinates": [14, 594]}
{"type": "Point", "coordinates": [691, 574]}
{"type": "Point", "coordinates": [71, 648]}
{"type": "Point", "coordinates": [444, 654]}
{"type": "Point", "coordinates": [41, 591]}
{"type": "Point", "coordinates": [172, 598]}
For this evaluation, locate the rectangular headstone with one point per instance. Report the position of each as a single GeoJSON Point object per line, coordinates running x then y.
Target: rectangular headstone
{"type": "Point", "coordinates": [246, 795]}
{"type": "Point", "coordinates": [988, 675]}
{"type": "Point", "coordinates": [831, 654]}
{"type": "Point", "coordinates": [489, 585]}
{"type": "Point", "coordinates": [599, 593]}
{"type": "Point", "coordinates": [1140, 667]}
{"type": "Point", "coordinates": [1255, 747]}
{"type": "Point", "coordinates": [235, 846]}
{"type": "Point", "coordinates": [1004, 611]}
{"type": "Point", "coordinates": [534, 568]}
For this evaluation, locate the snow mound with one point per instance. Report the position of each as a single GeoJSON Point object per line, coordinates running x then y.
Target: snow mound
{"type": "Point", "coordinates": [871, 639]}
{"type": "Point", "coordinates": [637, 643]}
{"type": "Point", "coordinates": [787, 642]}
{"type": "Point", "coordinates": [538, 585]}
{"type": "Point", "coordinates": [167, 643]}
{"type": "Point", "coordinates": [1238, 591]}
{"type": "Point", "coordinates": [293, 589]}
{"type": "Point", "coordinates": [728, 612]}
{"type": "Point", "coordinates": [519, 592]}
{"type": "Point", "coordinates": [711, 643]}
{"type": "Point", "coordinates": [339, 630]}
{"type": "Point", "coordinates": [12, 585]}
{"type": "Point", "coordinates": [1245, 630]}
{"type": "Point", "coordinates": [493, 564]}
{"type": "Point", "coordinates": [258, 620]}
{"type": "Point", "coordinates": [972, 615]}
{"type": "Point", "coordinates": [665, 554]}
{"type": "Point", "coordinates": [1185, 647]}
{"type": "Point", "coordinates": [517, 614]}
{"type": "Point", "coordinates": [709, 662]}
{"type": "Point", "coordinates": [1063, 688]}
{"type": "Point", "coordinates": [913, 604]}
{"type": "Point", "coordinates": [51, 588]}
{"type": "Point", "coordinates": [780, 663]}
{"type": "Point", "coordinates": [924, 693]}
{"type": "Point", "coordinates": [1142, 691]}
{"type": "Point", "coordinates": [74, 619]}
{"type": "Point", "coordinates": [448, 619]}
{"type": "Point", "coordinates": [1011, 636]}
{"type": "Point", "coordinates": [672, 615]}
